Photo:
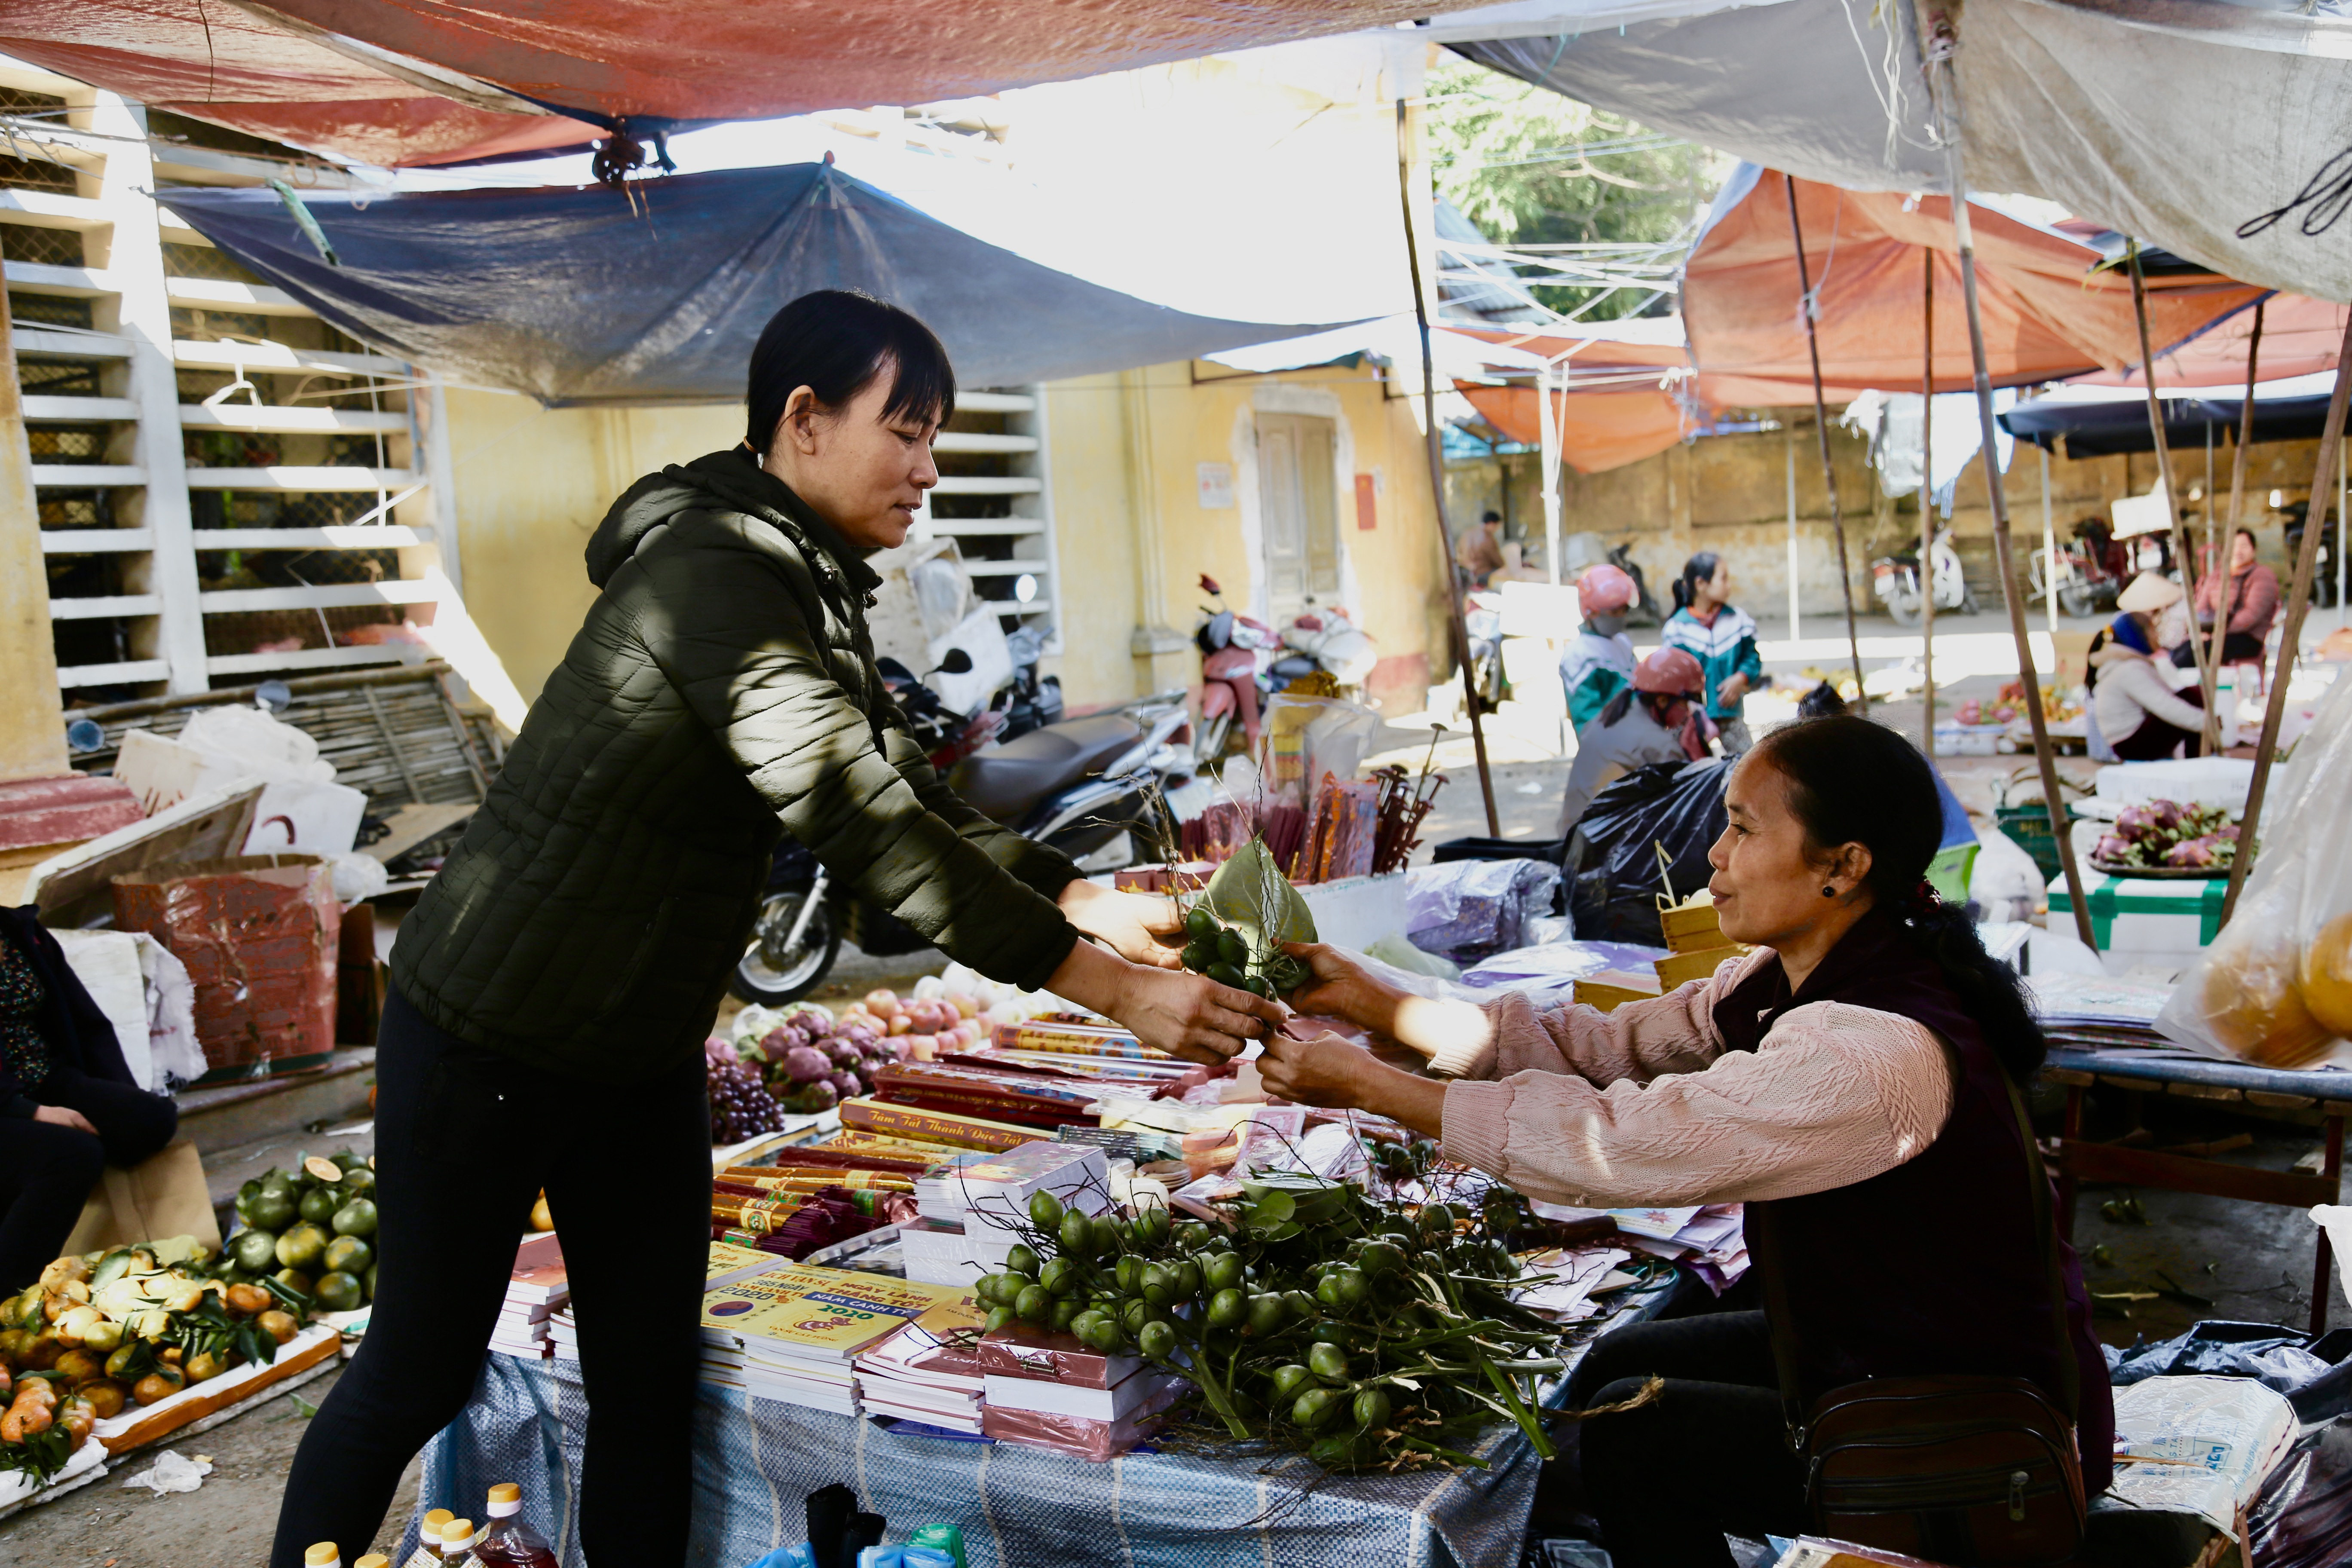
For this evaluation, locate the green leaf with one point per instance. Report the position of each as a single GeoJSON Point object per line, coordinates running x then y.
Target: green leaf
{"type": "Point", "coordinates": [302, 1407]}
{"type": "Point", "coordinates": [1273, 1208]}
{"type": "Point", "coordinates": [1250, 893]}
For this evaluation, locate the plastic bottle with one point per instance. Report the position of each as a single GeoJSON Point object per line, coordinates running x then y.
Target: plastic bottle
{"type": "Point", "coordinates": [457, 1540]}
{"type": "Point", "coordinates": [326, 1555]}
{"type": "Point", "coordinates": [374, 1559]}
{"type": "Point", "coordinates": [507, 1541]}
{"type": "Point", "coordinates": [429, 1540]}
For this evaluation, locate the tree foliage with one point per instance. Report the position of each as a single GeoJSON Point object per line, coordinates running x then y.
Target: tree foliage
{"type": "Point", "coordinates": [1531, 167]}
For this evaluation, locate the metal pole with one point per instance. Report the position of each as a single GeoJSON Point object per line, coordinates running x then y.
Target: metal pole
{"type": "Point", "coordinates": [1549, 463]}
{"type": "Point", "coordinates": [1790, 445]}
{"type": "Point", "coordinates": [1437, 483]}
{"type": "Point", "coordinates": [2298, 600]}
{"type": "Point", "coordinates": [1927, 514]}
{"type": "Point", "coordinates": [2171, 495]}
{"type": "Point", "coordinates": [1943, 93]}
{"type": "Point", "coordinates": [2237, 514]}
{"type": "Point", "coordinates": [2049, 559]}
{"type": "Point", "coordinates": [1821, 429]}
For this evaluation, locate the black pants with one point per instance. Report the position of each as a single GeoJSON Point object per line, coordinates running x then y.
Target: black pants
{"type": "Point", "coordinates": [46, 1172]}
{"type": "Point", "coordinates": [1709, 1457]}
{"type": "Point", "coordinates": [2237, 647]}
{"type": "Point", "coordinates": [464, 1139]}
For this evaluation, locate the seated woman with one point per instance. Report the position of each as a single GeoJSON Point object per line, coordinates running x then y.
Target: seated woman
{"type": "Point", "coordinates": [2139, 715]}
{"type": "Point", "coordinates": [1651, 721]}
{"type": "Point", "coordinates": [1848, 1081]}
{"type": "Point", "coordinates": [68, 1105]}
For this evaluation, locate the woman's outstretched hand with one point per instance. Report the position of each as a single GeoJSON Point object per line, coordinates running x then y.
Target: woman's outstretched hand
{"type": "Point", "coordinates": [1342, 988]}
{"type": "Point", "coordinates": [1140, 926]}
{"type": "Point", "coordinates": [1333, 1073]}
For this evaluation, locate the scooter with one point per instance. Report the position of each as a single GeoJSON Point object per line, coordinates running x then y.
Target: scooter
{"type": "Point", "coordinates": [1229, 644]}
{"type": "Point", "coordinates": [1333, 640]}
{"type": "Point", "coordinates": [1482, 622]}
{"type": "Point", "coordinates": [1087, 786]}
{"type": "Point", "coordinates": [1895, 580]}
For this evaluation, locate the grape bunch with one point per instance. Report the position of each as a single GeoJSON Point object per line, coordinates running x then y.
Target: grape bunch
{"type": "Point", "coordinates": [740, 1105]}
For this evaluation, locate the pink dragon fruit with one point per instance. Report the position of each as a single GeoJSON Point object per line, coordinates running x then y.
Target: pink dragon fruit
{"type": "Point", "coordinates": [2195, 852]}
{"type": "Point", "coordinates": [811, 1023]}
{"type": "Point", "coordinates": [2112, 848]}
{"type": "Point", "coordinates": [805, 1064]}
{"type": "Point", "coordinates": [780, 1039]}
{"type": "Point", "coordinates": [845, 1084]}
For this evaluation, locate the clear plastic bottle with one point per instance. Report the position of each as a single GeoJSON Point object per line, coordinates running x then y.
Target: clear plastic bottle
{"type": "Point", "coordinates": [507, 1541]}
{"type": "Point", "coordinates": [457, 1538]}
{"type": "Point", "coordinates": [374, 1559]}
{"type": "Point", "coordinates": [326, 1555]}
{"type": "Point", "coordinates": [429, 1540]}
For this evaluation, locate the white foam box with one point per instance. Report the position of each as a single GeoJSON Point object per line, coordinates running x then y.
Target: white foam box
{"type": "Point", "coordinates": [2167, 919]}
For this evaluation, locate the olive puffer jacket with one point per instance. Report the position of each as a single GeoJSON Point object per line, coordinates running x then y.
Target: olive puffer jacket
{"type": "Point", "coordinates": [722, 692]}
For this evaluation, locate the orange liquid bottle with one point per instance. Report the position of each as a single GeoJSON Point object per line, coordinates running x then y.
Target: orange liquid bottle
{"type": "Point", "coordinates": [508, 1541]}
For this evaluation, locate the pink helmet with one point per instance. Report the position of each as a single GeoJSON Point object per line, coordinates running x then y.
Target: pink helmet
{"type": "Point", "coordinates": [1669, 671]}
{"type": "Point", "coordinates": [1604, 591]}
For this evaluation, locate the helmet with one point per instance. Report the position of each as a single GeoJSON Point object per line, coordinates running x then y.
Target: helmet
{"type": "Point", "coordinates": [1669, 671]}
{"type": "Point", "coordinates": [1604, 591]}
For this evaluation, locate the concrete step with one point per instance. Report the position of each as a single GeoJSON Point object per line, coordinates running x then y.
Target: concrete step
{"type": "Point", "coordinates": [226, 1169]}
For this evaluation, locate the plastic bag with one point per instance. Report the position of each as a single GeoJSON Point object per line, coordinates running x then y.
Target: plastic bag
{"type": "Point", "coordinates": [1306, 737]}
{"type": "Point", "coordinates": [2275, 988]}
{"type": "Point", "coordinates": [1613, 857]}
{"type": "Point", "coordinates": [2303, 1517]}
{"type": "Point", "coordinates": [1465, 910]}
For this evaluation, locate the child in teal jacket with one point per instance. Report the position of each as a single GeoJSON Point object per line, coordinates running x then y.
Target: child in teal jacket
{"type": "Point", "coordinates": [1722, 637]}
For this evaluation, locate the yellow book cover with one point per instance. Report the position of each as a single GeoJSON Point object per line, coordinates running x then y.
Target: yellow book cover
{"type": "Point", "coordinates": [730, 1263]}
{"type": "Point", "coordinates": [821, 1313]}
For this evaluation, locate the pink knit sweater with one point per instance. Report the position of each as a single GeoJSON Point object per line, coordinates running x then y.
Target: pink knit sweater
{"type": "Point", "coordinates": [1643, 1106]}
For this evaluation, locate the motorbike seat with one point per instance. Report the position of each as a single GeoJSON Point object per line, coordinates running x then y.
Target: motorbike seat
{"type": "Point", "coordinates": [1003, 782]}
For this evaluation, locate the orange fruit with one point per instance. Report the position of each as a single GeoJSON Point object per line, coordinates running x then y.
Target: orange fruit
{"type": "Point", "coordinates": [2326, 977]}
{"type": "Point", "coordinates": [2254, 1007]}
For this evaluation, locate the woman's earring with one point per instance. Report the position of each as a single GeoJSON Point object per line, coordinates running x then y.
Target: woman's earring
{"type": "Point", "coordinates": [1828, 891]}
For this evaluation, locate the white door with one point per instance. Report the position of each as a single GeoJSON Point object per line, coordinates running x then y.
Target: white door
{"type": "Point", "coordinates": [1299, 511]}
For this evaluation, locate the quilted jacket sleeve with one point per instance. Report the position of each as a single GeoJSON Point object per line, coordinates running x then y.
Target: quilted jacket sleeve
{"type": "Point", "coordinates": [733, 631]}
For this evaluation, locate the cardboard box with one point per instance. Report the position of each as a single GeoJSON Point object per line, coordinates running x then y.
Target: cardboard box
{"type": "Point", "coordinates": [1692, 928]}
{"type": "Point", "coordinates": [1613, 988]}
{"type": "Point", "coordinates": [1684, 967]}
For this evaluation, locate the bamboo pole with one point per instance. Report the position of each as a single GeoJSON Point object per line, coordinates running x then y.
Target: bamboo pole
{"type": "Point", "coordinates": [1437, 485]}
{"type": "Point", "coordinates": [1943, 91]}
{"type": "Point", "coordinates": [2171, 495]}
{"type": "Point", "coordinates": [1928, 513]}
{"type": "Point", "coordinates": [2212, 671]}
{"type": "Point", "coordinates": [2298, 600]}
{"type": "Point", "coordinates": [1821, 429]}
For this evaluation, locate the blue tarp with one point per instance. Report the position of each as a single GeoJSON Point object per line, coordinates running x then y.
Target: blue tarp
{"type": "Point", "coordinates": [655, 293]}
{"type": "Point", "coordinates": [2105, 428]}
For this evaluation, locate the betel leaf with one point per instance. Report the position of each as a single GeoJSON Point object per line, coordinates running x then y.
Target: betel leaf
{"type": "Point", "coordinates": [1250, 893]}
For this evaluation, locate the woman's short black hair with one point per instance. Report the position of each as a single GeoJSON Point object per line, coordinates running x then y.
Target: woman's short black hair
{"type": "Point", "coordinates": [834, 341]}
{"type": "Point", "coordinates": [1851, 780]}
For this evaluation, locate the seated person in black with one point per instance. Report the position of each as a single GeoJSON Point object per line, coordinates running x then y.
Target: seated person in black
{"type": "Point", "coordinates": [68, 1105]}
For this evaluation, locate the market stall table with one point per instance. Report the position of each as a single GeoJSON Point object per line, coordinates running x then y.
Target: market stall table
{"type": "Point", "coordinates": [2201, 1077]}
{"type": "Point", "coordinates": [757, 1461]}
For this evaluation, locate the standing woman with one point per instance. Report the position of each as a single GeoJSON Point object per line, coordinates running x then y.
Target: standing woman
{"type": "Point", "coordinates": [1722, 636]}
{"type": "Point", "coordinates": [551, 991]}
{"type": "Point", "coordinates": [1850, 1080]}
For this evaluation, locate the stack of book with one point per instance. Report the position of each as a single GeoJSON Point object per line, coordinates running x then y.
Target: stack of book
{"type": "Point", "coordinates": [1050, 1391]}
{"type": "Point", "coordinates": [537, 1285]}
{"type": "Point", "coordinates": [928, 1373]}
{"type": "Point", "coordinates": [793, 1333]}
{"type": "Point", "coordinates": [1697, 948]}
{"type": "Point", "coordinates": [2091, 1011]}
{"type": "Point", "coordinates": [971, 1207]}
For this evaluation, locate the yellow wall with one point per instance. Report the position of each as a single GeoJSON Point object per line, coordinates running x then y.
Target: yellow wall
{"type": "Point", "coordinates": [1133, 537]}
{"type": "Point", "coordinates": [1130, 535]}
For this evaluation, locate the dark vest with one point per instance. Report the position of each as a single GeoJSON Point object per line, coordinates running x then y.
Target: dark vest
{"type": "Point", "coordinates": [1935, 1266]}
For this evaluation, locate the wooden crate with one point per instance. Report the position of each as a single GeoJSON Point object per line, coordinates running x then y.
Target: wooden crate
{"type": "Point", "coordinates": [1613, 988]}
{"type": "Point", "coordinates": [136, 1427]}
{"type": "Point", "coordinates": [1684, 967]}
{"type": "Point", "coordinates": [1692, 928]}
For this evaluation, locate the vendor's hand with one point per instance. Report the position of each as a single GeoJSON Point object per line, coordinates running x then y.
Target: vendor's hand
{"type": "Point", "coordinates": [1141, 928]}
{"type": "Point", "coordinates": [1332, 1072]}
{"type": "Point", "coordinates": [65, 1116]}
{"type": "Point", "coordinates": [1186, 1015]}
{"type": "Point", "coordinates": [1342, 988]}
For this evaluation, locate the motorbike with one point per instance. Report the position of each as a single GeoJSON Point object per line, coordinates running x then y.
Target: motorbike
{"type": "Point", "coordinates": [2084, 586]}
{"type": "Point", "coordinates": [1087, 786]}
{"type": "Point", "coordinates": [2323, 571]}
{"type": "Point", "coordinates": [1331, 638]}
{"type": "Point", "coordinates": [1895, 579]}
{"type": "Point", "coordinates": [1646, 611]}
{"type": "Point", "coordinates": [1229, 644]}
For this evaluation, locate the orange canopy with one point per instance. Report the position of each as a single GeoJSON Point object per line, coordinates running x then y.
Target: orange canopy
{"type": "Point", "coordinates": [1620, 404]}
{"type": "Point", "coordinates": [2047, 314]}
{"type": "Point", "coordinates": [2301, 336]}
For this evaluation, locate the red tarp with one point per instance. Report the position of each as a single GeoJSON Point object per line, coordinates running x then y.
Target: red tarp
{"type": "Point", "coordinates": [2301, 336]}
{"type": "Point", "coordinates": [226, 62]}
{"type": "Point", "coordinates": [1618, 408]}
{"type": "Point", "coordinates": [2046, 315]}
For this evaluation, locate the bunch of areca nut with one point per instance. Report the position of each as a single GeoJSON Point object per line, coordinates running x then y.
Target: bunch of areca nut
{"type": "Point", "coordinates": [1224, 954]}
{"type": "Point", "coordinates": [1365, 1333]}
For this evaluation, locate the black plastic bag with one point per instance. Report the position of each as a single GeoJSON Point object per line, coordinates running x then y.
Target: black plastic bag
{"type": "Point", "coordinates": [1615, 876]}
{"type": "Point", "coordinates": [2303, 1518]}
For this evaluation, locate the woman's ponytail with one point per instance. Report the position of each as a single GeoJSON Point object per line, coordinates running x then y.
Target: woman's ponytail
{"type": "Point", "coordinates": [1853, 782]}
{"type": "Point", "coordinates": [1699, 568]}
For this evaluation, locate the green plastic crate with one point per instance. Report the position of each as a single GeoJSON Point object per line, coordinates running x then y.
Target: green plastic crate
{"type": "Point", "coordinates": [1947, 873]}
